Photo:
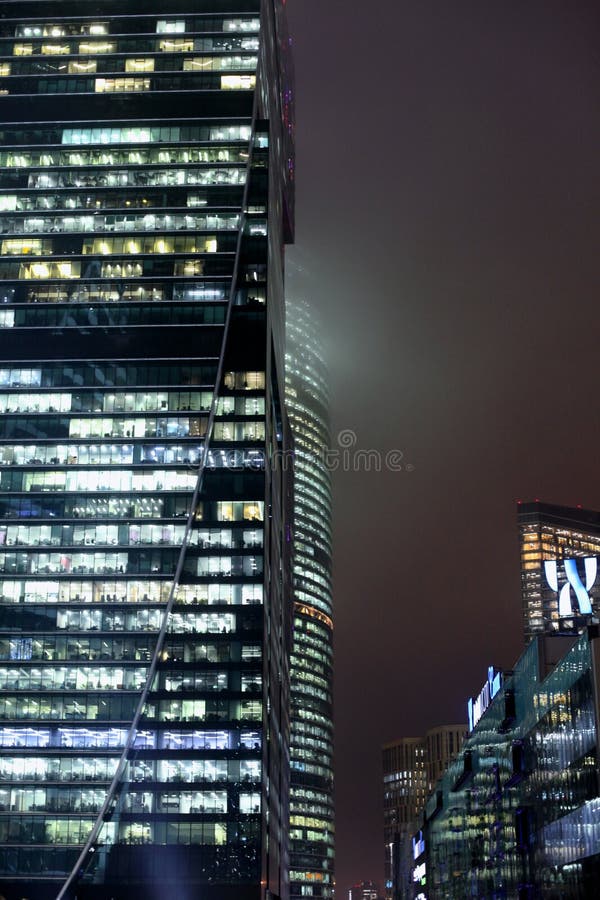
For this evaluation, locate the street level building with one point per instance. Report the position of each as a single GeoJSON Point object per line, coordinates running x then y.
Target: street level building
{"type": "Point", "coordinates": [517, 814]}
{"type": "Point", "coordinates": [146, 175]}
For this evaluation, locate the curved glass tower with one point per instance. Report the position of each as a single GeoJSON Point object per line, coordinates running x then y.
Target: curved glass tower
{"type": "Point", "coordinates": [311, 750]}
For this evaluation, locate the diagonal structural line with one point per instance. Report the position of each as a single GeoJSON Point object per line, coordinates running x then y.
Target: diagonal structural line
{"type": "Point", "coordinates": [133, 728]}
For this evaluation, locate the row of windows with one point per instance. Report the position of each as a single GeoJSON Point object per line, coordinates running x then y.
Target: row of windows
{"type": "Point", "coordinates": [106, 246]}
{"type": "Point", "coordinates": [143, 562]}
{"type": "Point", "coordinates": [90, 769]}
{"type": "Point", "coordinates": [128, 592]}
{"type": "Point", "coordinates": [89, 534]}
{"type": "Point", "coordinates": [94, 480]}
{"type": "Point", "coordinates": [132, 84]}
{"type": "Point", "coordinates": [126, 401]}
{"type": "Point", "coordinates": [124, 64]}
{"type": "Point", "coordinates": [119, 268]}
{"type": "Point", "coordinates": [137, 49]}
{"type": "Point", "coordinates": [100, 738]}
{"type": "Point", "coordinates": [97, 223]}
{"type": "Point", "coordinates": [105, 374]}
{"type": "Point", "coordinates": [89, 291]}
{"type": "Point", "coordinates": [113, 454]}
{"type": "Point", "coordinates": [34, 830]}
{"type": "Point", "coordinates": [105, 678]}
{"type": "Point", "coordinates": [172, 680]}
{"type": "Point", "coordinates": [92, 649]}
{"type": "Point", "coordinates": [43, 618]}
{"type": "Point", "coordinates": [89, 800]}
{"type": "Point", "coordinates": [128, 134]}
{"type": "Point", "coordinates": [112, 316]}
{"type": "Point", "coordinates": [236, 861]}
{"type": "Point", "coordinates": [91, 178]}
{"type": "Point", "coordinates": [113, 156]}
{"type": "Point", "coordinates": [173, 506]}
{"type": "Point", "coordinates": [176, 197]}
{"type": "Point", "coordinates": [160, 26]}
{"type": "Point", "coordinates": [96, 708]}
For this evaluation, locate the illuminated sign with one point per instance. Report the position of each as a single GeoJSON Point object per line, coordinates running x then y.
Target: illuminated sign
{"type": "Point", "coordinates": [418, 845]}
{"type": "Point", "coordinates": [574, 582]}
{"type": "Point", "coordinates": [476, 706]}
{"type": "Point", "coordinates": [419, 872]}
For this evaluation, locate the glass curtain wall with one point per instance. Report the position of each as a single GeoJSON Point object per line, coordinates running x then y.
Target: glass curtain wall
{"type": "Point", "coordinates": [312, 813]}
{"type": "Point", "coordinates": [128, 230]}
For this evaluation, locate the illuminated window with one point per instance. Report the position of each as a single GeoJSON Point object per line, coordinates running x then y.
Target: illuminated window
{"type": "Point", "coordinates": [241, 24]}
{"type": "Point", "coordinates": [95, 28]}
{"type": "Point", "coordinates": [176, 46]}
{"type": "Point", "coordinates": [16, 247]}
{"type": "Point", "coordinates": [139, 65]}
{"type": "Point", "coordinates": [189, 267]}
{"type": "Point", "coordinates": [197, 63]}
{"type": "Point", "coordinates": [238, 82]}
{"type": "Point", "coordinates": [22, 49]}
{"type": "Point", "coordinates": [173, 26]}
{"type": "Point", "coordinates": [28, 31]}
{"type": "Point", "coordinates": [91, 47]}
{"type": "Point", "coordinates": [248, 381]}
{"type": "Point", "coordinates": [54, 269]}
{"type": "Point", "coordinates": [55, 49]}
{"type": "Point", "coordinates": [4, 69]}
{"type": "Point", "coordinates": [250, 803]}
{"type": "Point", "coordinates": [113, 85]}
{"type": "Point", "coordinates": [76, 66]}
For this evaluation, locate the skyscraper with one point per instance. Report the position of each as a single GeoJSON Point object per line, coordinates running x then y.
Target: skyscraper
{"type": "Point", "coordinates": [311, 819]}
{"type": "Point", "coordinates": [411, 767]}
{"type": "Point", "coordinates": [560, 587]}
{"type": "Point", "coordinates": [145, 197]}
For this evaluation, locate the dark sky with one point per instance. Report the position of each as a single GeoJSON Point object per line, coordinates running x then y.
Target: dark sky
{"type": "Point", "coordinates": [447, 208]}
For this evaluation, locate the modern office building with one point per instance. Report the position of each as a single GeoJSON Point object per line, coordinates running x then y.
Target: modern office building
{"type": "Point", "coordinates": [517, 814]}
{"type": "Point", "coordinates": [411, 766]}
{"type": "Point", "coordinates": [560, 583]}
{"type": "Point", "coordinates": [146, 179]}
{"type": "Point", "coordinates": [311, 801]}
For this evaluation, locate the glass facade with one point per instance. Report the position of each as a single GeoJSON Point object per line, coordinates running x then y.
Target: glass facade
{"type": "Point", "coordinates": [516, 815]}
{"type": "Point", "coordinates": [145, 618]}
{"type": "Point", "coordinates": [311, 751]}
{"type": "Point", "coordinates": [557, 533]}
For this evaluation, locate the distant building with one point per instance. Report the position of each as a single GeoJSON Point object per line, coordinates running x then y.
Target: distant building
{"type": "Point", "coordinates": [441, 746]}
{"type": "Point", "coordinates": [517, 814]}
{"type": "Point", "coordinates": [410, 767]}
{"type": "Point", "coordinates": [364, 890]}
{"type": "Point", "coordinates": [560, 583]}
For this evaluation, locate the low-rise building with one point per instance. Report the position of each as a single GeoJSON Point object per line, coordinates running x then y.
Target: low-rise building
{"type": "Point", "coordinates": [517, 814]}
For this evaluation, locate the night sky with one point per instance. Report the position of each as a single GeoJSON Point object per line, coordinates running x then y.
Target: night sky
{"type": "Point", "coordinates": [447, 213]}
